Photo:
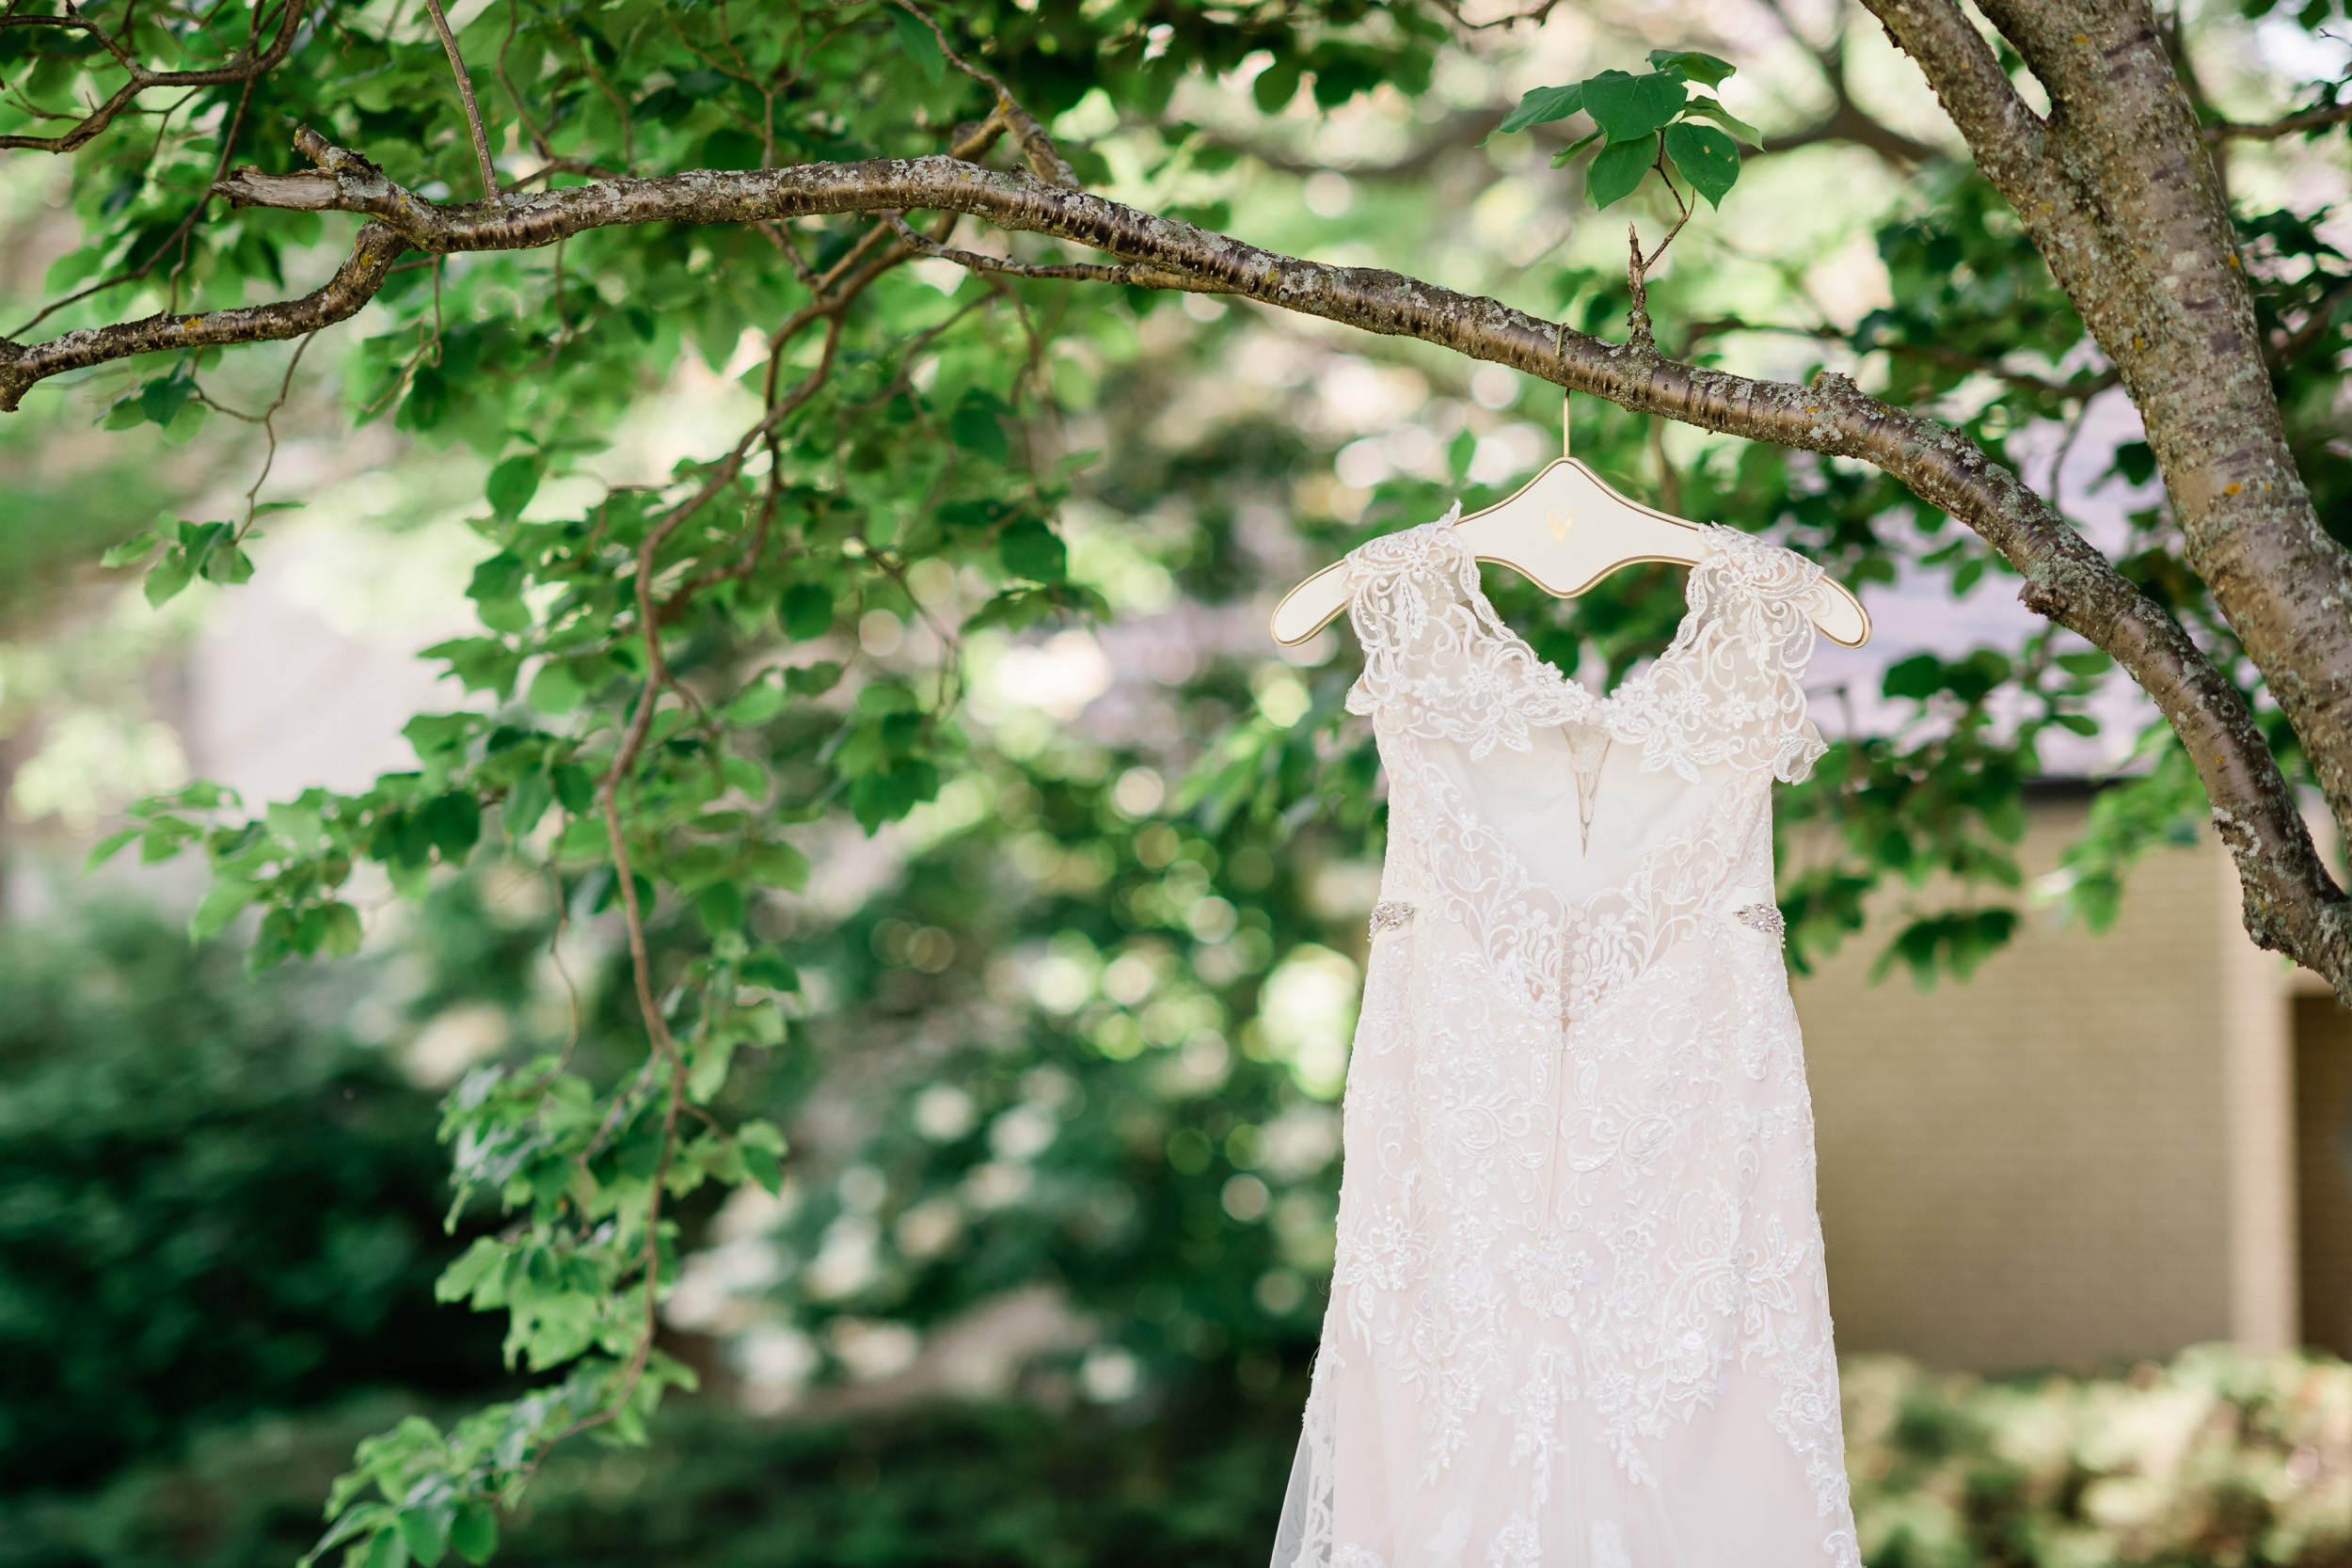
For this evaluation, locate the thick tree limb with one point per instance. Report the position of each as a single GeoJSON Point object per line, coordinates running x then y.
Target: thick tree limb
{"type": "Point", "coordinates": [2291, 903]}
{"type": "Point", "coordinates": [2118, 194]}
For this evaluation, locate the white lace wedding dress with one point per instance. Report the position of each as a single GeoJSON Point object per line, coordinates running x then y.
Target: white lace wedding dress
{"type": "Point", "coordinates": [1578, 1316]}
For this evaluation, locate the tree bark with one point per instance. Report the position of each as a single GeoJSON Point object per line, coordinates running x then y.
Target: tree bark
{"type": "Point", "coordinates": [2118, 192]}
{"type": "Point", "coordinates": [2291, 903]}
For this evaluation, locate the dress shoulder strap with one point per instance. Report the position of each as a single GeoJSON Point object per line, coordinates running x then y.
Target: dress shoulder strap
{"type": "Point", "coordinates": [1731, 687]}
{"type": "Point", "coordinates": [1436, 658]}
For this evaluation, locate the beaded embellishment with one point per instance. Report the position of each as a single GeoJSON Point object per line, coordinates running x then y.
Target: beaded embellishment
{"type": "Point", "coordinates": [1763, 917]}
{"type": "Point", "coordinates": [1390, 917]}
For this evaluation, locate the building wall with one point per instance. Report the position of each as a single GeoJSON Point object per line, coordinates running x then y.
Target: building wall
{"type": "Point", "coordinates": [2084, 1154]}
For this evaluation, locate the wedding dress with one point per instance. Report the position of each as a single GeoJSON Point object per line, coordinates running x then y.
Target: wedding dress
{"type": "Point", "coordinates": [1578, 1316]}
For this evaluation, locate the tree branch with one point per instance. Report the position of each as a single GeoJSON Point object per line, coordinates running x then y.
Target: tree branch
{"type": "Point", "coordinates": [1044, 159]}
{"type": "Point", "coordinates": [1970, 84]}
{"type": "Point", "coordinates": [1847, 120]}
{"type": "Point", "coordinates": [1935, 353]}
{"type": "Point", "coordinates": [2292, 905]}
{"type": "Point", "coordinates": [2310, 120]}
{"type": "Point", "coordinates": [142, 79]}
{"type": "Point", "coordinates": [465, 96]}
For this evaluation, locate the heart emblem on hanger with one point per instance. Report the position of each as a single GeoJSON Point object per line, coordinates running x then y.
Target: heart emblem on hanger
{"type": "Point", "coordinates": [1561, 522]}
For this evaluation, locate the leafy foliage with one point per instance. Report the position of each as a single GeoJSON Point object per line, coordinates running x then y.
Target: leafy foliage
{"type": "Point", "coordinates": [158, 1109]}
{"type": "Point", "coordinates": [1650, 121]}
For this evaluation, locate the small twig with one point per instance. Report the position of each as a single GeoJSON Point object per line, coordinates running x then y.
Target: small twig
{"type": "Point", "coordinates": [465, 95]}
{"type": "Point", "coordinates": [1044, 159]}
{"type": "Point", "coordinates": [1635, 269]}
{"type": "Point", "coordinates": [1091, 271]}
{"type": "Point", "coordinates": [514, 95]}
{"type": "Point", "coordinates": [562, 970]}
{"type": "Point", "coordinates": [2310, 120]}
{"type": "Point", "coordinates": [2080, 386]}
{"type": "Point", "coordinates": [1669, 482]}
{"type": "Point", "coordinates": [580, 167]}
{"type": "Point", "coordinates": [251, 68]}
{"type": "Point", "coordinates": [269, 431]}
{"type": "Point", "coordinates": [2322, 316]}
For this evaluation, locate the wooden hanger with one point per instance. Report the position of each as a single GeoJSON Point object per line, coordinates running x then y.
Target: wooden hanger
{"type": "Point", "coordinates": [1564, 531]}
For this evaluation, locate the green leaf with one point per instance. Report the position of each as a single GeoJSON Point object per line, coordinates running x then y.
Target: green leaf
{"type": "Point", "coordinates": [168, 576]}
{"type": "Point", "coordinates": [386, 1550]}
{"type": "Point", "coordinates": [1540, 106]}
{"type": "Point", "coordinates": [511, 485]}
{"type": "Point", "coordinates": [1919, 676]}
{"type": "Point", "coordinates": [1628, 108]}
{"type": "Point", "coordinates": [438, 735]}
{"type": "Point", "coordinates": [1562, 158]}
{"type": "Point", "coordinates": [229, 564]}
{"type": "Point", "coordinates": [474, 1534]}
{"type": "Point", "coordinates": [343, 933]}
{"type": "Point", "coordinates": [453, 823]}
{"type": "Point", "coordinates": [527, 800]}
{"type": "Point", "coordinates": [720, 907]}
{"type": "Point", "coordinates": [575, 786]}
{"type": "Point", "coordinates": [763, 1153]}
{"type": "Point", "coordinates": [1709, 159]}
{"type": "Point", "coordinates": [778, 865]}
{"type": "Point", "coordinates": [755, 704]}
{"type": "Point", "coordinates": [806, 609]}
{"type": "Point", "coordinates": [1618, 170]}
{"type": "Point", "coordinates": [768, 968]}
{"type": "Point", "coordinates": [500, 576]}
{"type": "Point", "coordinates": [813, 680]}
{"type": "Point", "coordinates": [136, 548]}
{"type": "Point", "coordinates": [482, 663]}
{"type": "Point", "coordinates": [920, 46]}
{"type": "Point", "coordinates": [1706, 108]}
{"type": "Point", "coordinates": [105, 849]}
{"type": "Point", "coordinates": [1706, 69]}
{"type": "Point", "coordinates": [162, 399]}
{"type": "Point", "coordinates": [1276, 85]}
{"type": "Point", "coordinates": [220, 906]}
{"type": "Point", "coordinates": [554, 690]}
{"type": "Point", "coordinates": [977, 425]}
{"type": "Point", "coordinates": [1029, 548]}
{"type": "Point", "coordinates": [424, 1530]}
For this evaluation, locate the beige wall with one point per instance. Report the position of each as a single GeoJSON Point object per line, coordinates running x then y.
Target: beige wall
{"type": "Point", "coordinates": [2081, 1155]}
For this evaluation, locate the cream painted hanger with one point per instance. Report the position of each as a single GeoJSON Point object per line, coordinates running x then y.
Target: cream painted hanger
{"type": "Point", "coordinates": [1564, 531]}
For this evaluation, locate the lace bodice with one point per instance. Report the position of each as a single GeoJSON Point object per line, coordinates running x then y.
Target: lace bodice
{"type": "Point", "coordinates": [1579, 1312]}
{"type": "Point", "coordinates": [1728, 690]}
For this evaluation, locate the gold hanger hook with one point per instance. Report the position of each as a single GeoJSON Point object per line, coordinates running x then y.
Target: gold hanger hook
{"type": "Point", "coordinates": [1560, 356]}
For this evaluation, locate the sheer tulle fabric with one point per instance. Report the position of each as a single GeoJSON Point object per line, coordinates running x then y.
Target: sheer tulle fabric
{"type": "Point", "coordinates": [1578, 1316]}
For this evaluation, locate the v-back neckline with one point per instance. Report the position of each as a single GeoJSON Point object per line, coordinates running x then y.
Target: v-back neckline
{"type": "Point", "coordinates": [1618, 699]}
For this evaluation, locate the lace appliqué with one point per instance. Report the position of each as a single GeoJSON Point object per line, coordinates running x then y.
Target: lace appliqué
{"type": "Point", "coordinates": [1389, 917]}
{"type": "Point", "coordinates": [1728, 688]}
